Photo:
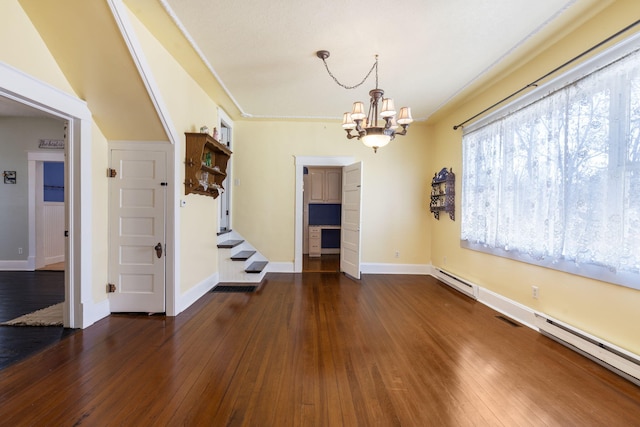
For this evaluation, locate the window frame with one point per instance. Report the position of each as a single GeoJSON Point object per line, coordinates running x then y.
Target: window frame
{"type": "Point", "coordinates": [601, 60]}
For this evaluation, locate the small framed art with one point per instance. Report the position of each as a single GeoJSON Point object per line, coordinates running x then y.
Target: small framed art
{"type": "Point", "coordinates": [9, 177]}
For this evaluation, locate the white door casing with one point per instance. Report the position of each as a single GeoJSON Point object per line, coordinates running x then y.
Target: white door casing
{"type": "Point", "coordinates": [225, 126]}
{"type": "Point", "coordinates": [136, 228]}
{"type": "Point", "coordinates": [351, 219]}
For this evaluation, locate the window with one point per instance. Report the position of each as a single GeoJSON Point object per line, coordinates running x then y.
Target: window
{"type": "Point", "coordinates": [555, 181]}
{"type": "Point", "coordinates": [53, 177]}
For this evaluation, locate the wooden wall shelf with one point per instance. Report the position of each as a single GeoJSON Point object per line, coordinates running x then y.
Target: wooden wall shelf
{"type": "Point", "coordinates": [443, 194]}
{"type": "Point", "coordinates": [205, 165]}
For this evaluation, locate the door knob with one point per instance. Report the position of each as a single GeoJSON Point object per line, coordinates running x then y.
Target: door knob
{"type": "Point", "coordinates": [158, 249]}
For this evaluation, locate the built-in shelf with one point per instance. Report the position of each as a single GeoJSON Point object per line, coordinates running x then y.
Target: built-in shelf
{"type": "Point", "coordinates": [205, 165]}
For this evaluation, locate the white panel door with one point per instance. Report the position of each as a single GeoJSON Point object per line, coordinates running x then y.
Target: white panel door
{"type": "Point", "coordinates": [351, 219]}
{"type": "Point", "coordinates": [137, 231]}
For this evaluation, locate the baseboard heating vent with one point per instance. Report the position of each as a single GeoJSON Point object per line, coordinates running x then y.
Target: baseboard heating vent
{"type": "Point", "coordinates": [457, 283]}
{"type": "Point", "coordinates": [618, 360]}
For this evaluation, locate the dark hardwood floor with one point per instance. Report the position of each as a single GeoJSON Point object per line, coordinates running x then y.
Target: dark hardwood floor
{"type": "Point", "coordinates": [316, 350]}
{"type": "Point", "coordinates": [328, 263]}
{"type": "Point", "coordinates": [23, 292]}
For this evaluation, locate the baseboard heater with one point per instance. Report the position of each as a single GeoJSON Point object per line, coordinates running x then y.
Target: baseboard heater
{"type": "Point", "coordinates": [608, 355]}
{"type": "Point", "coordinates": [457, 283]}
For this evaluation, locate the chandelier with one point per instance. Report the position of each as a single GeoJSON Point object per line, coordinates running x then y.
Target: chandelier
{"type": "Point", "coordinates": [366, 125]}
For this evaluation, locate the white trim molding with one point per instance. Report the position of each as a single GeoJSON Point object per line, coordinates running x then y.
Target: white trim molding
{"type": "Point", "coordinates": [51, 101]}
{"type": "Point", "coordinates": [612, 357]}
{"type": "Point", "coordinates": [280, 267]}
{"type": "Point", "coordinates": [382, 268]}
{"type": "Point", "coordinates": [196, 292]}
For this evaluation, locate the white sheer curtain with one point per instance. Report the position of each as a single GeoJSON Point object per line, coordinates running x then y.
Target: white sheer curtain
{"type": "Point", "coordinates": [557, 182]}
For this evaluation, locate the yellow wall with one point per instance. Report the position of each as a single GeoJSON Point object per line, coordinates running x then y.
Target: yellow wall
{"type": "Point", "coordinates": [394, 195]}
{"type": "Point", "coordinates": [32, 57]}
{"type": "Point", "coordinates": [605, 310]}
{"type": "Point", "coordinates": [189, 108]}
{"type": "Point", "coordinates": [99, 218]}
{"type": "Point", "coordinates": [30, 54]}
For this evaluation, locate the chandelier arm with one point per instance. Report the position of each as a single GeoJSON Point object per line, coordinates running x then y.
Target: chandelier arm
{"type": "Point", "coordinates": [404, 130]}
{"type": "Point", "coordinates": [335, 79]}
{"type": "Point", "coordinates": [349, 136]}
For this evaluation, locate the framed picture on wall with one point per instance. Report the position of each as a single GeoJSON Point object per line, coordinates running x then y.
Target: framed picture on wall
{"type": "Point", "coordinates": [9, 177]}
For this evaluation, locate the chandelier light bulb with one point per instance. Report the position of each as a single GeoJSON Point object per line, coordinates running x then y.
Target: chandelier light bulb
{"type": "Point", "coordinates": [358, 111]}
{"type": "Point", "coordinates": [388, 109]}
{"type": "Point", "coordinates": [347, 121]}
{"type": "Point", "coordinates": [404, 118]}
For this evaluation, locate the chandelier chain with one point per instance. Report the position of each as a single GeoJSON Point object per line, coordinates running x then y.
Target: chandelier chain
{"type": "Point", "coordinates": [335, 79]}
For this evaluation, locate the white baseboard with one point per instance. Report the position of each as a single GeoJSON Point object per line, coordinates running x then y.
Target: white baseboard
{"type": "Point", "coordinates": [18, 265]}
{"type": "Point", "coordinates": [510, 308]}
{"type": "Point", "coordinates": [609, 355]}
{"type": "Point", "coordinates": [619, 360]}
{"type": "Point", "coordinates": [280, 267]}
{"type": "Point", "coordinates": [380, 268]}
{"type": "Point", "coordinates": [93, 312]}
{"type": "Point", "coordinates": [196, 292]}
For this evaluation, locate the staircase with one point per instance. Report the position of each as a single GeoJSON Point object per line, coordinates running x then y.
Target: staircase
{"type": "Point", "coordinates": [238, 261]}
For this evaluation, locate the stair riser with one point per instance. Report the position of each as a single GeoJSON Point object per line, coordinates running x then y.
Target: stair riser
{"type": "Point", "coordinates": [234, 271]}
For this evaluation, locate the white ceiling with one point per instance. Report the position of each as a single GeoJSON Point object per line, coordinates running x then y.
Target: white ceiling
{"type": "Point", "coordinates": [264, 52]}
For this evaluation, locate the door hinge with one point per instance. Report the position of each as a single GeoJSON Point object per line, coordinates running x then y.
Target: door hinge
{"type": "Point", "coordinates": [111, 173]}
{"type": "Point", "coordinates": [111, 288]}
{"type": "Point", "coordinates": [66, 233]}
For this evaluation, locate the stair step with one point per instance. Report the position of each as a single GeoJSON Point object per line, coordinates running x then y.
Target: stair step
{"type": "Point", "coordinates": [220, 233]}
{"type": "Point", "coordinates": [230, 244]}
{"type": "Point", "coordinates": [243, 255]}
{"type": "Point", "coordinates": [257, 267]}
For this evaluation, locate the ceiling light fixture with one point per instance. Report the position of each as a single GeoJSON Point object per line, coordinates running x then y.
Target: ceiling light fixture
{"type": "Point", "coordinates": [366, 124]}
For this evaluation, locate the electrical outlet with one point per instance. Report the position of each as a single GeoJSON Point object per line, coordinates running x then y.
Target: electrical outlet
{"type": "Point", "coordinates": [535, 292]}
{"type": "Point", "coordinates": [444, 260]}
{"type": "Point", "coordinates": [397, 253]}
{"type": "Point", "coordinates": [19, 251]}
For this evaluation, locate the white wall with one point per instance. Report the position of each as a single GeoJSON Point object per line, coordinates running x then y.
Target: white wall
{"type": "Point", "coordinates": [19, 135]}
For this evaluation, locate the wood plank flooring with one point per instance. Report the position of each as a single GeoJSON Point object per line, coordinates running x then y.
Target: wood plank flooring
{"type": "Point", "coordinates": [317, 350]}
{"type": "Point", "coordinates": [328, 263]}
{"type": "Point", "coordinates": [23, 292]}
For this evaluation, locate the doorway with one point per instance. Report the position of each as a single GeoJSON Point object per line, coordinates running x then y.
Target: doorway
{"type": "Point", "coordinates": [224, 207]}
{"type": "Point", "coordinates": [322, 218]}
{"type": "Point", "coordinates": [37, 98]}
{"type": "Point", "coordinates": [302, 162]}
{"type": "Point", "coordinates": [47, 209]}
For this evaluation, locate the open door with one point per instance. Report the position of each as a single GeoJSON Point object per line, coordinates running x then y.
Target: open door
{"type": "Point", "coordinates": [137, 231]}
{"type": "Point", "coordinates": [351, 219]}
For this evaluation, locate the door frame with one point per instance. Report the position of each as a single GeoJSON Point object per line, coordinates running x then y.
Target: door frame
{"type": "Point", "coordinates": [79, 309]}
{"type": "Point", "coordinates": [36, 159]}
{"type": "Point", "coordinates": [300, 163]}
{"type": "Point", "coordinates": [171, 291]}
{"type": "Point", "coordinates": [224, 119]}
